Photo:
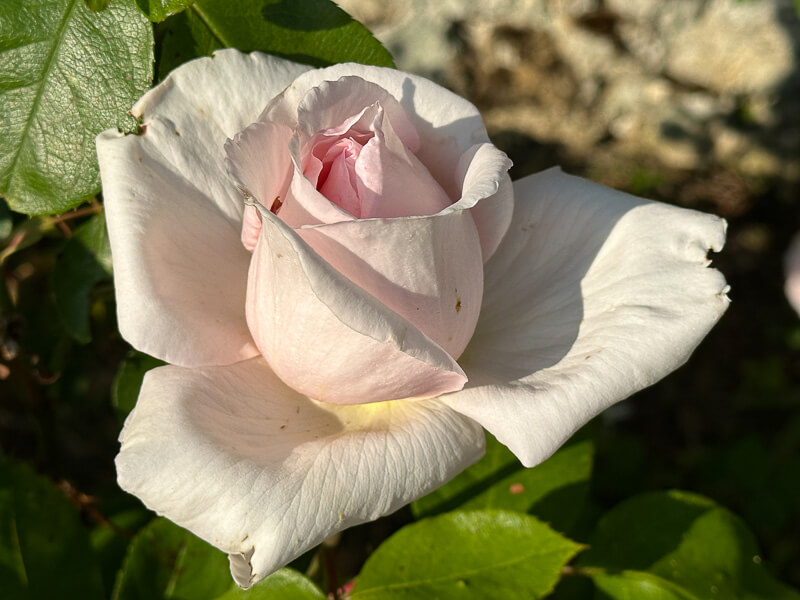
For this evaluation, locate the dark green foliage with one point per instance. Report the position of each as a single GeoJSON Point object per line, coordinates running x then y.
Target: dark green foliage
{"type": "Point", "coordinates": [555, 491]}
{"type": "Point", "coordinates": [166, 562]}
{"type": "Point", "coordinates": [85, 261]}
{"type": "Point", "coordinates": [44, 548]}
{"type": "Point", "coordinates": [678, 545]}
{"type": "Point", "coordinates": [315, 32]}
{"type": "Point", "coordinates": [128, 380]}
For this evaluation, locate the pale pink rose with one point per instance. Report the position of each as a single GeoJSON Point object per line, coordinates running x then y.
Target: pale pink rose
{"type": "Point", "coordinates": [792, 268]}
{"type": "Point", "coordinates": [349, 289]}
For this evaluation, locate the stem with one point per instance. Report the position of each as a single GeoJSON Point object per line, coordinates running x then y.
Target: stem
{"type": "Point", "coordinates": [328, 556]}
{"type": "Point", "coordinates": [64, 229]}
{"type": "Point", "coordinates": [93, 208]}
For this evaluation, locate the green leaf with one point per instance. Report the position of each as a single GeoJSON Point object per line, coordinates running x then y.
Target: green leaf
{"type": "Point", "coordinates": [286, 584]}
{"type": "Point", "coordinates": [96, 5]}
{"type": "Point", "coordinates": [85, 260]}
{"type": "Point", "coordinates": [315, 32]}
{"type": "Point", "coordinates": [158, 10]}
{"type": "Point", "coordinates": [667, 545]}
{"type": "Point", "coordinates": [165, 562]}
{"type": "Point", "coordinates": [128, 380]}
{"type": "Point", "coordinates": [66, 74]}
{"type": "Point", "coordinates": [636, 585]}
{"type": "Point", "coordinates": [555, 491]}
{"type": "Point", "coordinates": [6, 222]}
{"type": "Point", "coordinates": [110, 540]}
{"type": "Point", "coordinates": [44, 549]}
{"type": "Point", "coordinates": [475, 554]}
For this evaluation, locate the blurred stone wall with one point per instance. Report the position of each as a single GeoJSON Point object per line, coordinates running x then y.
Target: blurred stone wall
{"type": "Point", "coordinates": [676, 84]}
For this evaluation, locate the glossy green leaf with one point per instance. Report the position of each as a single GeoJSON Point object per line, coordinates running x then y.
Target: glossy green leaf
{"type": "Point", "coordinates": [44, 548]}
{"type": "Point", "coordinates": [474, 554]}
{"type": "Point", "coordinates": [315, 32]}
{"type": "Point", "coordinates": [85, 260]}
{"type": "Point", "coordinates": [158, 10]}
{"type": "Point", "coordinates": [166, 562]}
{"type": "Point", "coordinates": [554, 491]}
{"type": "Point", "coordinates": [66, 74]}
{"type": "Point", "coordinates": [128, 380]}
{"type": "Point", "coordinates": [669, 545]}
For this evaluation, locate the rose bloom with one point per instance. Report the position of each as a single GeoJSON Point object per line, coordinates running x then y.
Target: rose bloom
{"type": "Point", "coordinates": [349, 289]}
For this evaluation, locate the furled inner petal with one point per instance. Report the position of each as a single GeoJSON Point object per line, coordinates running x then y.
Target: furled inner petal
{"type": "Point", "coordinates": [446, 124]}
{"type": "Point", "coordinates": [364, 167]}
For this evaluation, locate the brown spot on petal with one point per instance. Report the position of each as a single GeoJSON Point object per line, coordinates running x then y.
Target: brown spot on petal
{"type": "Point", "coordinates": [276, 205]}
{"type": "Point", "coordinates": [458, 301]}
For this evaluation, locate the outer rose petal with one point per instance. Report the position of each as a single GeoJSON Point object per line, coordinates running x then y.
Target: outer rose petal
{"type": "Point", "coordinates": [173, 215]}
{"type": "Point", "coordinates": [486, 188]}
{"type": "Point", "coordinates": [593, 295]}
{"type": "Point", "coordinates": [265, 474]}
{"type": "Point", "coordinates": [329, 339]}
{"type": "Point", "coordinates": [207, 101]}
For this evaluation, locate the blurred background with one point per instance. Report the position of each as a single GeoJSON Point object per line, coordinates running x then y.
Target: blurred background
{"type": "Point", "coordinates": [693, 102]}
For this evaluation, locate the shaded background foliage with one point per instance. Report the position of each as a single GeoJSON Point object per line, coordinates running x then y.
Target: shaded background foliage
{"type": "Point", "coordinates": [607, 89]}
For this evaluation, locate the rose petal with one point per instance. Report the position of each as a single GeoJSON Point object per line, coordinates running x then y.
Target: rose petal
{"type": "Point", "coordinates": [179, 270]}
{"type": "Point", "coordinates": [428, 270]}
{"type": "Point", "coordinates": [207, 101]}
{"type": "Point", "coordinates": [329, 339]}
{"type": "Point", "coordinates": [593, 295]}
{"type": "Point", "coordinates": [391, 181]}
{"type": "Point", "coordinates": [265, 474]}
{"type": "Point", "coordinates": [342, 101]}
{"type": "Point", "coordinates": [258, 161]}
{"type": "Point", "coordinates": [447, 124]}
{"type": "Point", "coordinates": [330, 110]}
{"type": "Point", "coordinates": [486, 190]}
{"type": "Point", "coordinates": [174, 216]}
